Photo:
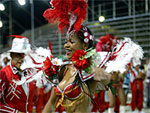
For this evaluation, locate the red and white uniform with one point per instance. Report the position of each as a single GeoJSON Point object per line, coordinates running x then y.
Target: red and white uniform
{"type": "Point", "coordinates": [137, 91]}
{"type": "Point", "coordinates": [100, 103]}
{"type": "Point", "coordinates": [14, 97]}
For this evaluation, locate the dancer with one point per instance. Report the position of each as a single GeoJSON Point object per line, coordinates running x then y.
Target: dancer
{"type": "Point", "coordinates": [137, 76]}
{"type": "Point", "coordinates": [82, 73]}
{"type": "Point", "coordinates": [77, 77]}
{"type": "Point", "coordinates": [107, 43]}
{"type": "Point", "coordinates": [119, 91]}
{"type": "Point", "coordinates": [73, 91]}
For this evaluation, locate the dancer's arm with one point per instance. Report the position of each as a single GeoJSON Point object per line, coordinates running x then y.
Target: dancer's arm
{"type": "Point", "coordinates": [51, 102]}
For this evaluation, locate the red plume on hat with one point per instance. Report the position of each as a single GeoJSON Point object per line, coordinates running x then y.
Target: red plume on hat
{"type": "Point", "coordinates": [106, 43]}
{"type": "Point", "coordinates": [18, 36]}
{"type": "Point", "coordinates": [69, 14]}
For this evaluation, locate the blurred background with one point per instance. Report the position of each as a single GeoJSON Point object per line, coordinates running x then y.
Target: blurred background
{"type": "Point", "coordinates": [122, 18]}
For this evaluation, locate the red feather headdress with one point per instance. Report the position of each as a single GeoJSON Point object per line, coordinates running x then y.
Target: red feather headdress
{"type": "Point", "coordinates": [69, 13]}
{"type": "Point", "coordinates": [106, 43]}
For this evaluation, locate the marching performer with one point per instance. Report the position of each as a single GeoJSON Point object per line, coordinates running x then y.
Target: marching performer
{"type": "Point", "coordinates": [16, 98]}
{"type": "Point", "coordinates": [137, 76]}
{"type": "Point", "coordinates": [107, 43]}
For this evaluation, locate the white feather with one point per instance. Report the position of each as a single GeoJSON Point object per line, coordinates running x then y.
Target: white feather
{"type": "Point", "coordinates": [128, 52]}
{"type": "Point", "coordinates": [39, 55]}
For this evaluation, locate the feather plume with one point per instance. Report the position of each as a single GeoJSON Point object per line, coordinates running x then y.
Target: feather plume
{"type": "Point", "coordinates": [33, 61]}
{"type": "Point", "coordinates": [62, 10]}
{"type": "Point", "coordinates": [126, 50]}
{"type": "Point", "coordinates": [106, 43]}
{"type": "Point", "coordinates": [17, 36]}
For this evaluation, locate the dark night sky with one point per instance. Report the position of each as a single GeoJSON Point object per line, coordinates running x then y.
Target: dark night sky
{"type": "Point", "coordinates": [21, 19]}
{"type": "Point", "coordinates": [21, 14]}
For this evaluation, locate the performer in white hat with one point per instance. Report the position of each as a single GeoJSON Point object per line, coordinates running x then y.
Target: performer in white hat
{"type": "Point", "coordinates": [137, 76]}
{"type": "Point", "coordinates": [20, 44]}
{"type": "Point", "coordinates": [16, 98]}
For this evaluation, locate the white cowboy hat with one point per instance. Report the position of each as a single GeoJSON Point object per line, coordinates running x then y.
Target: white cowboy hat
{"type": "Point", "coordinates": [20, 45]}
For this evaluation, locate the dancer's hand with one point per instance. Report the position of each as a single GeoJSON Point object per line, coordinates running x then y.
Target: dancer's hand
{"type": "Point", "coordinates": [102, 76]}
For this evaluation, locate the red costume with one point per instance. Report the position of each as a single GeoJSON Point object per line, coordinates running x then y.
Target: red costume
{"type": "Point", "coordinates": [72, 91]}
{"type": "Point", "coordinates": [14, 97]}
{"type": "Point", "coordinates": [99, 99]}
{"type": "Point", "coordinates": [40, 99]}
{"type": "Point", "coordinates": [137, 91]}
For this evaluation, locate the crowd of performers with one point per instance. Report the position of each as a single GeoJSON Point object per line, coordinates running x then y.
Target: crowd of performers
{"type": "Point", "coordinates": [34, 80]}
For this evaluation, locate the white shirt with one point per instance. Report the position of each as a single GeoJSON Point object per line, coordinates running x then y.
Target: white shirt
{"type": "Point", "coordinates": [132, 75]}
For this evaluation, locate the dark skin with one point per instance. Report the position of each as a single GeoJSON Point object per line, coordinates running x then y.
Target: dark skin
{"type": "Point", "coordinates": [74, 43]}
{"type": "Point", "coordinates": [120, 91]}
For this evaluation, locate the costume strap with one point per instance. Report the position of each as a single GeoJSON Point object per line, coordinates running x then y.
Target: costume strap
{"type": "Point", "coordinates": [60, 102]}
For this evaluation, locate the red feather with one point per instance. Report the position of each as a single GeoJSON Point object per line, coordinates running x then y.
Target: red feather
{"type": "Point", "coordinates": [106, 43]}
{"type": "Point", "coordinates": [34, 60]}
{"type": "Point", "coordinates": [61, 12]}
{"type": "Point", "coordinates": [18, 36]}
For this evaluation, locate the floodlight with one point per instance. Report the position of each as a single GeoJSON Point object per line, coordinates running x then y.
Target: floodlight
{"type": "Point", "coordinates": [2, 7]}
{"type": "Point", "coordinates": [22, 2]}
{"type": "Point", "coordinates": [101, 18]}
